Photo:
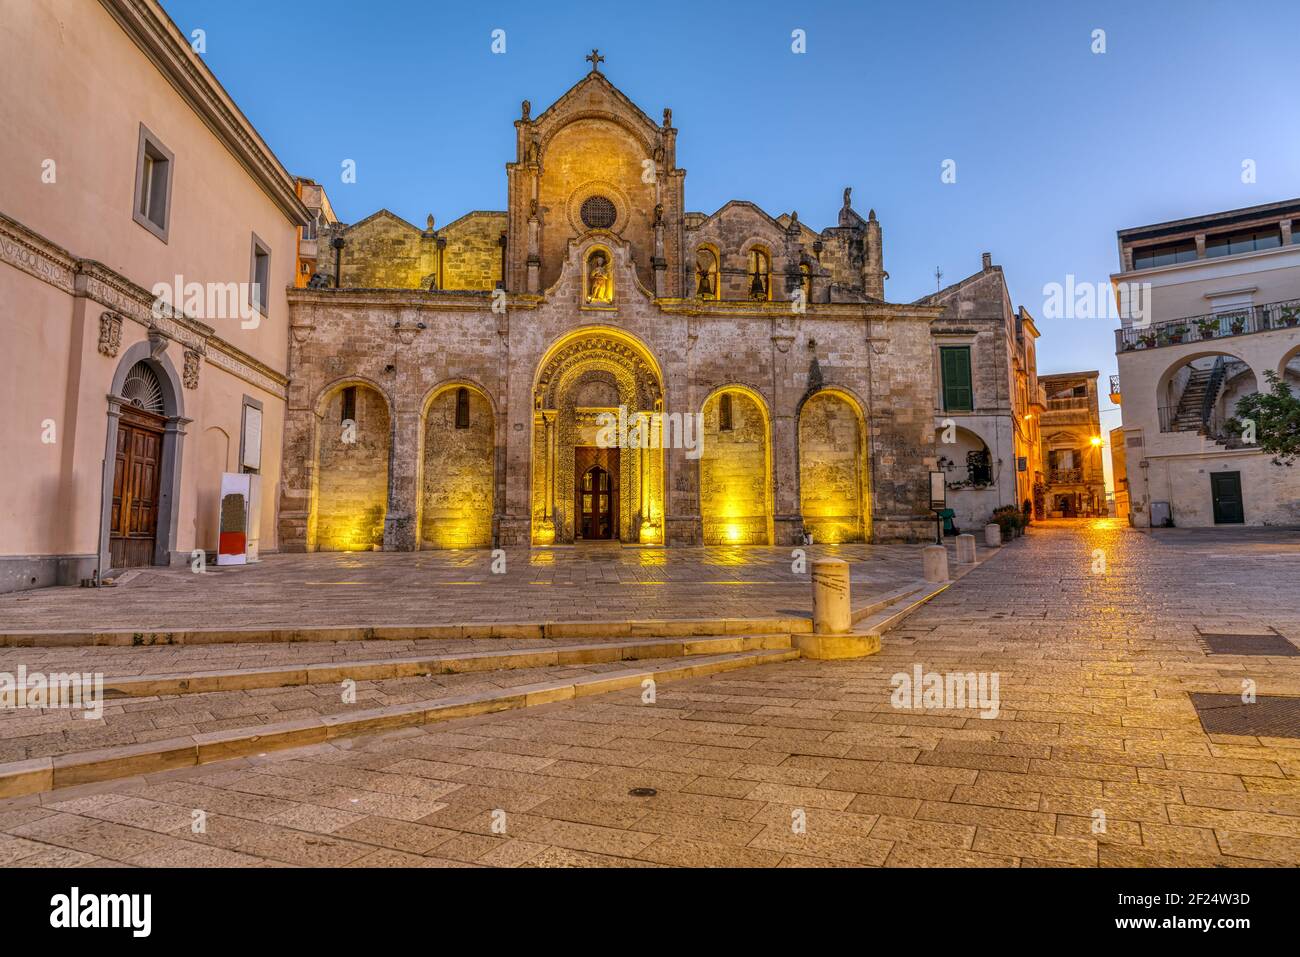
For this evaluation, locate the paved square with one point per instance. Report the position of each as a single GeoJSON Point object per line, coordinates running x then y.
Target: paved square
{"type": "Point", "coordinates": [1095, 756]}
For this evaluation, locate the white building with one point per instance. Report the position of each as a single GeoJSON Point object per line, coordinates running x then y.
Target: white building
{"type": "Point", "coordinates": [1222, 308]}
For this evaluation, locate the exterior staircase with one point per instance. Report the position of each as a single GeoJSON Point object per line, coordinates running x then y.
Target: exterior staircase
{"type": "Point", "coordinates": [1189, 416]}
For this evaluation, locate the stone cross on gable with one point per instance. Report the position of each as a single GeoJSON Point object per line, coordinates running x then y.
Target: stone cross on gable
{"type": "Point", "coordinates": [595, 60]}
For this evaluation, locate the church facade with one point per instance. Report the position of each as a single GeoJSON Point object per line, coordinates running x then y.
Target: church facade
{"type": "Point", "coordinates": [455, 387]}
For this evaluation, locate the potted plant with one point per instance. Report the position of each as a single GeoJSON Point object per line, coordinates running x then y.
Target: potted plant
{"type": "Point", "coordinates": [1147, 341]}
{"type": "Point", "coordinates": [1291, 315]}
{"type": "Point", "coordinates": [1238, 325]}
{"type": "Point", "coordinates": [1176, 334]}
{"type": "Point", "coordinates": [1208, 328]}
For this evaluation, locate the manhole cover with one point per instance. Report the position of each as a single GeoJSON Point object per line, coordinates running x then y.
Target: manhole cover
{"type": "Point", "coordinates": [643, 792]}
{"type": "Point", "coordinates": [1224, 643]}
{"type": "Point", "coordinates": [1270, 716]}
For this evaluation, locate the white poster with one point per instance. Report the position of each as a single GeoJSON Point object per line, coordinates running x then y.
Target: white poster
{"type": "Point", "coordinates": [252, 438]}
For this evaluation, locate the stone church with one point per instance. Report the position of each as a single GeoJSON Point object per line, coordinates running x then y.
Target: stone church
{"type": "Point", "coordinates": [447, 384]}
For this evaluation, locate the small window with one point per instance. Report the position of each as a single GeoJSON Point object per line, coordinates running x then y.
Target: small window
{"type": "Point", "coordinates": [706, 273]}
{"type": "Point", "coordinates": [153, 184]}
{"type": "Point", "coordinates": [760, 267]}
{"type": "Point", "coordinates": [462, 408]}
{"type": "Point", "coordinates": [309, 231]}
{"type": "Point", "coordinates": [1149, 257]}
{"type": "Point", "coordinates": [724, 412]}
{"type": "Point", "coordinates": [598, 212]}
{"type": "Point", "coordinates": [1230, 244]}
{"type": "Point", "coordinates": [954, 363]}
{"type": "Point", "coordinates": [259, 276]}
{"type": "Point", "coordinates": [349, 405]}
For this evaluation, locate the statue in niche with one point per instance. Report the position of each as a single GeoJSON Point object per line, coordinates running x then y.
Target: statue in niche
{"type": "Point", "coordinates": [600, 283]}
{"type": "Point", "coordinates": [533, 151]}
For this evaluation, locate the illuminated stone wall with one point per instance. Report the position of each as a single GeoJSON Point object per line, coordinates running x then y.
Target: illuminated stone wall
{"type": "Point", "coordinates": [734, 475]}
{"type": "Point", "coordinates": [458, 478]}
{"type": "Point", "coordinates": [352, 477]}
{"type": "Point", "coordinates": [384, 251]}
{"type": "Point", "coordinates": [831, 476]}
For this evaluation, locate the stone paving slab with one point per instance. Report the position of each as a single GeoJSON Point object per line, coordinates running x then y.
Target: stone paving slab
{"type": "Point", "coordinates": [1093, 716]}
{"type": "Point", "coordinates": [352, 589]}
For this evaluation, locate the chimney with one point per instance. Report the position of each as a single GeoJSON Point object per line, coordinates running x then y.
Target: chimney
{"type": "Point", "coordinates": [988, 261]}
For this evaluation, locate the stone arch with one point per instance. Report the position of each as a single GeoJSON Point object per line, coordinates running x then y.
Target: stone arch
{"type": "Point", "coordinates": [1288, 366]}
{"type": "Point", "coordinates": [152, 353]}
{"type": "Point", "coordinates": [707, 262]}
{"type": "Point", "coordinates": [767, 264]}
{"type": "Point", "coordinates": [597, 364]}
{"type": "Point", "coordinates": [349, 489]}
{"type": "Point", "coordinates": [834, 483]}
{"type": "Point", "coordinates": [457, 467]}
{"type": "Point", "coordinates": [1180, 388]}
{"type": "Point", "coordinates": [735, 466]}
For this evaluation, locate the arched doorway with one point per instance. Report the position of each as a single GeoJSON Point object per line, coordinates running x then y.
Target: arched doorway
{"type": "Point", "coordinates": [736, 469]}
{"type": "Point", "coordinates": [137, 475]}
{"type": "Point", "coordinates": [350, 500]}
{"type": "Point", "coordinates": [597, 402]}
{"type": "Point", "coordinates": [596, 505]}
{"type": "Point", "coordinates": [141, 480]}
{"type": "Point", "coordinates": [833, 493]}
{"type": "Point", "coordinates": [458, 473]}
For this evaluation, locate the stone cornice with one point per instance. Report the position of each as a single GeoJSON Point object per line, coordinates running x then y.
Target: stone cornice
{"type": "Point", "coordinates": [459, 301]}
{"type": "Point", "coordinates": [149, 27]}
{"type": "Point", "coordinates": [31, 253]}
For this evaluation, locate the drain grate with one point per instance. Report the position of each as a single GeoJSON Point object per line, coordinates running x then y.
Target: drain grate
{"type": "Point", "coordinates": [1270, 643]}
{"type": "Point", "coordinates": [1270, 716]}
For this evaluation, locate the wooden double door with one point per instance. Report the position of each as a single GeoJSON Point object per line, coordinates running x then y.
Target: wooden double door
{"type": "Point", "coordinates": [137, 471]}
{"type": "Point", "coordinates": [595, 473]}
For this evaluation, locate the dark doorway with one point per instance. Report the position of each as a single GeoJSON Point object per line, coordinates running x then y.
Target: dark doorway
{"type": "Point", "coordinates": [1225, 488]}
{"type": "Point", "coordinates": [136, 473]}
{"type": "Point", "coordinates": [596, 504]}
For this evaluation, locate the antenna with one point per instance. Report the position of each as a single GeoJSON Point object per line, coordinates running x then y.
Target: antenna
{"type": "Point", "coordinates": [938, 278]}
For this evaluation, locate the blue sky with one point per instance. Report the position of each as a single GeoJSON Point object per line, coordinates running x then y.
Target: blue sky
{"type": "Point", "coordinates": [1056, 147]}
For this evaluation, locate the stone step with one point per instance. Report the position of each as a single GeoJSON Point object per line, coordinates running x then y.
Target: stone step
{"type": "Point", "coordinates": [896, 613]}
{"type": "Point", "coordinates": [36, 775]}
{"type": "Point", "coordinates": [656, 628]}
{"type": "Point", "coordinates": [243, 679]}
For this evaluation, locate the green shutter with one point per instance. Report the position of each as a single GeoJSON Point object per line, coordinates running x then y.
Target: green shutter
{"type": "Point", "coordinates": [955, 363]}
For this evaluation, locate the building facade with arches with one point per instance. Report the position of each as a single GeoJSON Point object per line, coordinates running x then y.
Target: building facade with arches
{"type": "Point", "coordinates": [1222, 314]}
{"type": "Point", "coordinates": [457, 387]}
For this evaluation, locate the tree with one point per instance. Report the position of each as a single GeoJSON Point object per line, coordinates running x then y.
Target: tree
{"type": "Point", "coordinates": [1274, 418]}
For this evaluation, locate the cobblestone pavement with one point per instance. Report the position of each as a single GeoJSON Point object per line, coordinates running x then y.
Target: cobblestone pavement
{"type": "Point", "coordinates": [807, 763]}
{"type": "Point", "coordinates": [593, 582]}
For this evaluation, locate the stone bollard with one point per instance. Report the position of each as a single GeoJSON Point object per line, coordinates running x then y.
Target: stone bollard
{"type": "Point", "coordinates": [936, 563]}
{"type": "Point", "coordinates": [993, 535]}
{"type": "Point", "coordinates": [966, 549]}
{"type": "Point", "coordinates": [831, 612]}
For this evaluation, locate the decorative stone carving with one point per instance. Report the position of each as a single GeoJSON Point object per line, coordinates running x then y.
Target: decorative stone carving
{"type": "Point", "coordinates": [157, 342]}
{"type": "Point", "coordinates": [110, 334]}
{"type": "Point", "coordinates": [190, 373]}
